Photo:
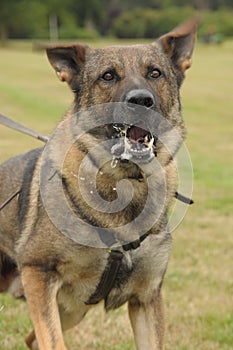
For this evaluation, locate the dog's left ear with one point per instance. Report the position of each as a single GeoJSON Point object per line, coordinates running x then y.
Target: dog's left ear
{"type": "Point", "coordinates": [67, 60]}
{"type": "Point", "coordinates": [178, 44]}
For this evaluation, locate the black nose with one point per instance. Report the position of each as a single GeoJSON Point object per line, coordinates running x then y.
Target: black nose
{"type": "Point", "coordinates": [140, 97]}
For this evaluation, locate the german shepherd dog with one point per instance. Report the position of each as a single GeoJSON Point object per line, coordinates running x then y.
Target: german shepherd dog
{"type": "Point", "coordinates": [60, 248]}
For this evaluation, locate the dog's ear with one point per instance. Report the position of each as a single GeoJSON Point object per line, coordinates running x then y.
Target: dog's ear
{"type": "Point", "coordinates": [67, 60]}
{"type": "Point", "coordinates": [178, 44]}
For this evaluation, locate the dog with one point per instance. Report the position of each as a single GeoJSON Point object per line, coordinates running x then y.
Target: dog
{"type": "Point", "coordinates": [90, 222]}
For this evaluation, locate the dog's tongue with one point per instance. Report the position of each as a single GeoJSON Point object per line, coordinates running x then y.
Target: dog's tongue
{"type": "Point", "coordinates": [136, 134]}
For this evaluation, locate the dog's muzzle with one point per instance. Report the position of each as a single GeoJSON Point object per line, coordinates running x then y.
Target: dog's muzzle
{"type": "Point", "coordinates": [135, 142]}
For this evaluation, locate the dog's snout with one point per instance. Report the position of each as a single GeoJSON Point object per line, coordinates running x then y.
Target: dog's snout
{"type": "Point", "coordinates": [140, 97]}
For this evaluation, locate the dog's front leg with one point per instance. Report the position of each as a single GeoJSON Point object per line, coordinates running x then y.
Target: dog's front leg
{"type": "Point", "coordinates": [41, 290]}
{"type": "Point", "coordinates": [147, 320]}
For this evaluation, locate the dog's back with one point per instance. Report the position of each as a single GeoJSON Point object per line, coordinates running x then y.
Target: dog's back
{"type": "Point", "coordinates": [12, 174]}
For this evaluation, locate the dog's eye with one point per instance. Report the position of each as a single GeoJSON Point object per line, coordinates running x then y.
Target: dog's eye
{"type": "Point", "coordinates": [154, 73]}
{"type": "Point", "coordinates": [108, 76]}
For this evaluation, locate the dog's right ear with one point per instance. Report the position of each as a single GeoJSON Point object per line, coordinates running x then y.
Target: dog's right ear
{"type": "Point", "coordinates": [178, 45]}
{"type": "Point", "coordinates": [67, 60]}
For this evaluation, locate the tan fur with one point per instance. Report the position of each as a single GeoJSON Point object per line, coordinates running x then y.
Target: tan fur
{"type": "Point", "coordinates": [60, 274]}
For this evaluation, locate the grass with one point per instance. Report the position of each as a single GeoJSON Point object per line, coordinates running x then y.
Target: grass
{"type": "Point", "coordinates": [198, 286]}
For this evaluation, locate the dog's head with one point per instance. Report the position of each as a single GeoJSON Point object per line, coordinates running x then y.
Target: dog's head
{"type": "Point", "coordinates": [145, 79]}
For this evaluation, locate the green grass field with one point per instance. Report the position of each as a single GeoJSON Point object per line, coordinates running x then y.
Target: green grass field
{"type": "Point", "coordinates": [198, 288]}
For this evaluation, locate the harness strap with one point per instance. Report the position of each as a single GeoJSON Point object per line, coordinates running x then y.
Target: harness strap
{"type": "Point", "coordinates": [114, 262]}
{"type": "Point", "coordinates": [110, 272]}
{"type": "Point", "coordinates": [10, 199]}
{"type": "Point", "coordinates": [183, 199]}
{"type": "Point", "coordinates": [108, 277]}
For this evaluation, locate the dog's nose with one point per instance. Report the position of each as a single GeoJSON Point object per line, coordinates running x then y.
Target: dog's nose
{"type": "Point", "coordinates": [140, 97]}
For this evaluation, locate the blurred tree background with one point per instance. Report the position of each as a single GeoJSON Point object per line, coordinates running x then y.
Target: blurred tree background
{"type": "Point", "coordinates": [80, 19]}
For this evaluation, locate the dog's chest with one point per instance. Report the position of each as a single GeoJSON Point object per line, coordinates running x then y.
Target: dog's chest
{"type": "Point", "coordinates": [140, 273]}
{"type": "Point", "coordinates": [149, 263]}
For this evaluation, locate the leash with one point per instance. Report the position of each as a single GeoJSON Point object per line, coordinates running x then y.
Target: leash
{"type": "Point", "coordinates": [10, 199]}
{"type": "Point", "coordinates": [10, 123]}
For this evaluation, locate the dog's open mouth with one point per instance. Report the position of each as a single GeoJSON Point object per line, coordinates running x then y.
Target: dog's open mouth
{"type": "Point", "coordinates": [135, 143]}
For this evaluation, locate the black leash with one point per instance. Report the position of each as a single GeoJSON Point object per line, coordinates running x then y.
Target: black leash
{"type": "Point", "coordinates": [10, 123]}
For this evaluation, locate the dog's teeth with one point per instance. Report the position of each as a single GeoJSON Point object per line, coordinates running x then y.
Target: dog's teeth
{"type": "Point", "coordinates": [127, 144]}
{"type": "Point", "coordinates": [114, 162]}
{"type": "Point", "coordinates": [150, 144]}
